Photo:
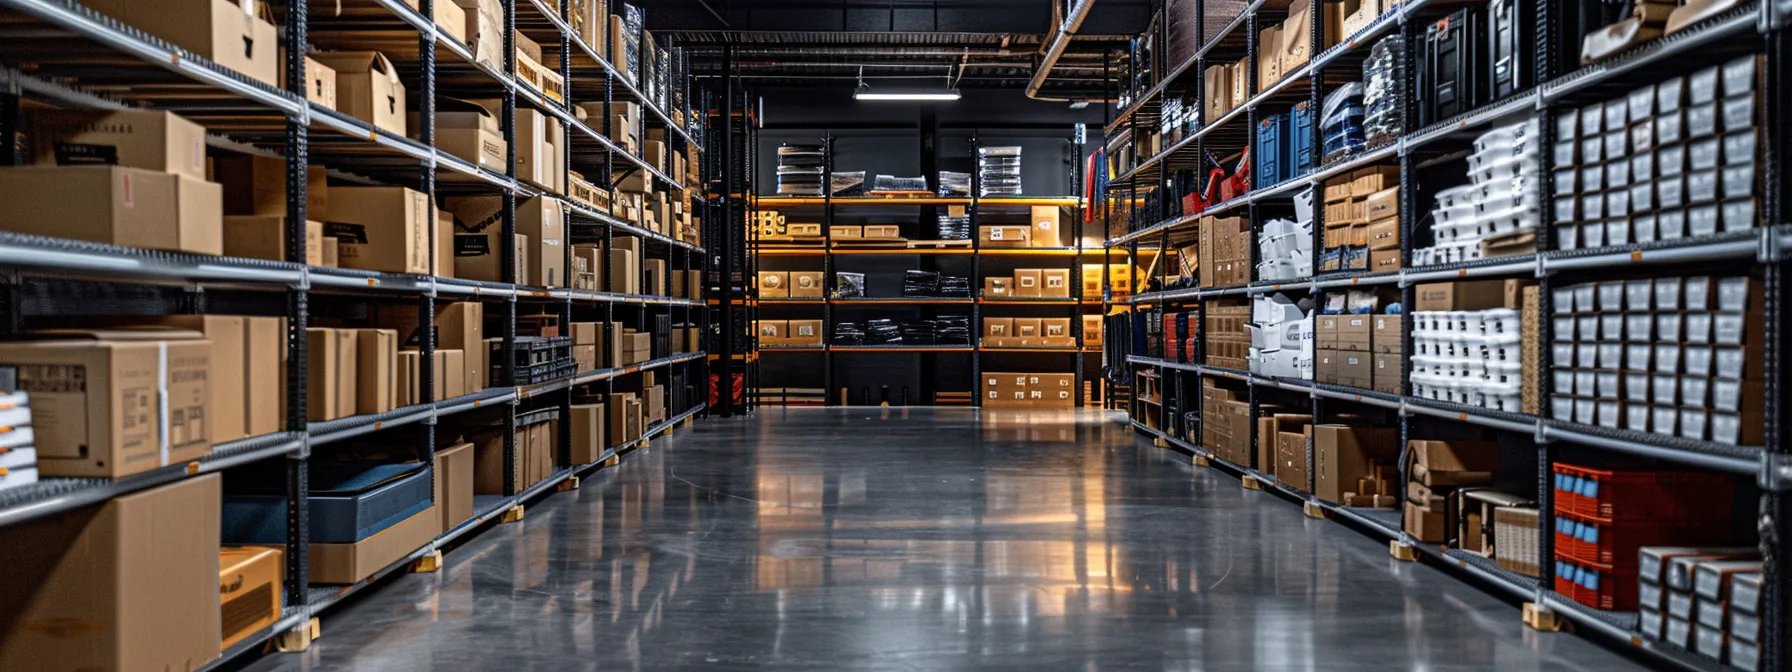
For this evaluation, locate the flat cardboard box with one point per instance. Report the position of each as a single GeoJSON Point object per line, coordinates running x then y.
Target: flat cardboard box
{"type": "Point", "coordinates": [224, 32]}
{"type": "Point", "coordinates": [376, 369]}
{"type": "Point", "coordinates": [349, 563]}
{"type": "Point", "coordinates": [264, 374]}
{"type": "Point", "coordinates": [99, 586]}
{"type": "Point", "coordinates": [256, 185]}
{"type": "Point", "coordinates": [381, 228]}
{"type": "Point", "coordinates": [249, 594]}
{"type": "Point", "coordinates": [109, 204]}
{"type": "Point", "coordinates": [264, 237]}
{"type": "Point", "coordinates": [1469, 295]}
{"type": "Point", "coordinates": [1003, 236]}
{"type": "Point", "coordinates": [147, 139]}
{"type": "Point", "coordinates": [95, 396]}
{"type": "Point", "coordinates": [368, 88]}
{"type": "Point", "coordinates": [454, 484]}
{"type": "Point", "coordinates": [1342, 455]}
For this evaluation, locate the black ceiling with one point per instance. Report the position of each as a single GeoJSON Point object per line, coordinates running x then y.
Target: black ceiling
{"type": "Point", "coordinates": [979, 43]}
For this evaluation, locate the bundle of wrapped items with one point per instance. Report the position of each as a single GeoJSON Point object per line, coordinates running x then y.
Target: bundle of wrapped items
{"type": "Point", "coordinates": [998, 171]}
{"type": "Point", "coordinates": [1286, 246]}
{"type": "Point", "coordinates": [799, 170]}
{"type": "Point", "coordinates": [1471, 357]}
{"type": "Point", "coordinates": [1281, 329]}
{"type": "Point", "coordinates": [1497, 212]}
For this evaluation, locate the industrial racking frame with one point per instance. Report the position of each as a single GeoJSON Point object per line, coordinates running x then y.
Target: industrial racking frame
{"type": "Point", "coordinates": [1558, 86]}
{"type": "Point", "coordinates": [929, 134]}
{"type": "Point", "coordinates": [60, 53]}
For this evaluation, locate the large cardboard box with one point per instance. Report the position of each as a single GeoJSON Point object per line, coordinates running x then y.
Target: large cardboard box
{"type": "Point", "coordinates": [147, 139]}
{"type": "Point", "coordinates": [1452, 463]}
{"type": "Point", "coordinates": [1047, 228]}
{"type": "Point", "coordinates": [249, 595]}
{"type": "Point", "coordinates": [1424, 524]}
{"type": "Point", "coordinates": [488, 461]}
{"type": "Point", "coordinates": [618, 406]}
{"type": "Point", "coordinates": [348, 563]}
{"type": "Point", "coordinates": [264, 379]}
{"type": "Point", "coordinates": [1342, 454]}
{"type": "Point", "coordinates": [264, 237]}
{"type": "Point", "coordinates": [223, 32]}
{"type": "Point", "coordinates": [376, 369]}
{"type": "Point", "coordinates": [256, 185]}
{"type": "Point", "coordinates": [130, 584]}
{"type": "Point", "coordinates": [381, 228]}
{"type": "Point", "coordinates": [478, 247]}
{"type": "Point", "coordinates": [543, 220]}
{"type": "Point", "coordinates": [111, 403]}
{"type": "Point", "coordinates": [485, 31]}
{"type": "Point", "coordinates": [368, 88]}
{"type": "Point", "coordinates": [454, 484]}
{"type": "Point", "coordinates": [1217, 83]}
{"type": "Point", "coordinates": [1297, 34]}
{"type": "Point", "coordinates": [539, 157]}
{"type": "Point", "coordinates": [332, 359]}
{"type": "Point", "coordinates": [470, 131]}
{"type": "Point", "coordinates": [320, 83]}
{"type": "Point", "coordinates": [1291, 459]}
{"type": "Point", "coordinates": [587, 433]}
{"type": "Point", "coordinates": [110, 204]}
{"type": "Point", "coordinates": [449, 17]}
{"type": "Point", "coordinates": [1470, 295]}
{"type": "Point", "coordinates": [227, 409]}
{"type": "Point", "coordinates": [462, 326]}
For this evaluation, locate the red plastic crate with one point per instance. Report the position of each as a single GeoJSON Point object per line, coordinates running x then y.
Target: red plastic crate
{"type": "Point", "coordinates": [1634, 494]}
{"type": "Point", "coordinates": [1615, 542]}
{"type": "Point", "coordinates": [1596, 585]}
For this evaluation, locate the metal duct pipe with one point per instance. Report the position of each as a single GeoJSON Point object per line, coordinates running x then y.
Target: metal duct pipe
{"type": "Point", "coordinates": [1060, 40]}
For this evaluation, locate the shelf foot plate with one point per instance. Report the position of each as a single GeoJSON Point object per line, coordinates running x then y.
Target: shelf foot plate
{"type": "Point", "coordinates": [1314, 510]}
{"type": "Point", "coordinates": [512, 515]}
{"type": "Point", "coordinates": [427, 564]}
{"type": "Point", "coordinates": [1540, 618]}
{"type": "Point", "coordinates": [300, 638]}
{"type": "Point", "coordinates": [1200, 461]}
{"type": "Point", "coordinates": [571, 483]}
{"type": "Point", "coordinates": [1251, 483]}
{"type": "Point", "coordinates": [1402, 552]}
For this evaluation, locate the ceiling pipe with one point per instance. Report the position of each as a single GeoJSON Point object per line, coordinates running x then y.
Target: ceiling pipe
{"type": "Point", "coordinates": [1059, 41]}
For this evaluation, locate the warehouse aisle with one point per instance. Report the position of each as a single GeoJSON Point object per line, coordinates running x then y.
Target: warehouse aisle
{"type": "Point", "coordinates": [838, 539]}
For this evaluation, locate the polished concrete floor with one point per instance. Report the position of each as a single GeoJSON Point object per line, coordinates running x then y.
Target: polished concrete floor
{"type": "Point", "coordinates": [815, 539]}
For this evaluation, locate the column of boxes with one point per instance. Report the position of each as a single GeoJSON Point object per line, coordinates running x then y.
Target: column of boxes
{"type": "Point", "coordinates": [1225, 423]}
{"type": "Point", "coordinates": [1673, 356]}
{"type": "Point", "coordinates": [1673, 160]}
{"type": "Point", "coordinates": [1225, 244]}
{"type": "Point", "coordinates": [1354, 204]}
{"type": "Point", "coordinates": [1706, 599]}
{"type": "Point", "coordinates": [1027, 332]}
{"type": "Point", "coordinates": [1342, 345]}
{"type": "Point", "coordinates": [1029, 390]}
{"type": "Point", "coordinates": [1228, 339]}
{"type": "Point", "coordinates": [1281, 336]}
{"type": "Point", "coordinates": [1386, 341]}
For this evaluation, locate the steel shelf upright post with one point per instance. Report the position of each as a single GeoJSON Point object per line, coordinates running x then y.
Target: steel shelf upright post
{"type": "Point", "coordinates": [298, 471]}
{"type": "Point", "coordinates": [426, 183]}
{"type": "Point", "coordinates": [508, 260]}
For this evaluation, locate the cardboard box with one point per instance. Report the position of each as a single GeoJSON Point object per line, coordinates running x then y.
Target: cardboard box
{"type": "Point", "coordinates": [1387, 373]}
{"type": "Point", "coordinates": [381, 228]}
{"type": "Point", "coordinates": [454, 484]}
{"type": "Point", "coordinates": [349, 563]}
{"type": "Point", "coordinates": [1385, 333]}
{"type": "Point", "coordinates": [104, 580]}
{"type": "Point", "coordinates": [484, 31]}
{"type": "Point", "coordinates": [108, 204]}
{"type": "Point", "coordinates": [368, 88]}
{"type": "Point", "coordinates": [461, 326]}
{"type": "Point", "coordinates": [540, 155]}
{"type": "Point", "coordinates": [470, 131]}
{"type": "Point", "coordinates": [1055, 283]}
{"type": "Point", "coordinates": [1367, 181]}
{"type": "Point", "coordinates": [409, 378]}
{"type": "Point", "coordinates": [655, 272]}
{"type": "Point", "coordinates": [618, 407]}
{"type": "Point", "coordinates": [376, 368]}
{"type": "Point", "coordinates": [264, 375]}
{"type": "Point", "coordinates": [264, 237]}
{"type": "Point", "coordinates": [249, 594]}
{"type": "Point", "coordinates": [1352, 332]}
{"type": "Point", "coordinates": [1047, 228]}
{"type": "Point", "coordinates": [1291, 459]}
{"type": "Point", "coordinates": [587, 433]}
{"type": "Point", "coordinates": [1452, 463]}
{"type": "Point", "coordinates": [102, 401]}
{"type": "Point", "coordinates": [147, 139]}
{"type": "Point", "coordinates": [998, 327]}
{"type": "Point", "coordinates": [332, 360]}
{"type": "Point", "coordinates": [450, 18]}
{"type": "Point", "coordinates": [774, 285]}
{"type": "Point", "coordinates": [1217, 80]}
{"type": "Point", "coordinates": [803, 285]}
{"type": "Point", "coordinates": [1425, 524]}
{"type": "Point", "coordinates": [1383, 204]}
{"type": "Point", "coordinates": [1343, 454]}
{"type": "Point", "coordinates": [998, 288]}
{"type": "Point", "coordinates": [1028, 327]}
{"type": "Point", "coordinates": [1054, 327]}
{"type": "Point", "coordinates": [805, 332]}
{"type": "Point", "coordinates": [226, 412]}
{"type": "Point", "coordinates": [453, 373]}
{"type": "Point", "coordinates": [1384, 234]}
{"type": "Point", "coordinates": [1029, 283]}
{"type": "Point", "coordinates": [1003, 236]}
{"type": "Point", "coordinates": [1092, 329]}
{"type": "Point", "coordinates": [224, 32]}
{"type": "Point", "coordinates": [1269, 51]}
{"type": "Point", "coordinates": [320, 83]}
{"type": "Point", "coordinates": [256, 185]}
{"type": "Point", "coordinates": [1296, 34]}
{"type": "Point", "coordinates": [1469, 295]}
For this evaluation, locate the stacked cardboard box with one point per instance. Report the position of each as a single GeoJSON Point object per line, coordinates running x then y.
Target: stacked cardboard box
{"type": "Point", "coordinates": [1225, 426]}
{"type": "Point", "coordinates": [787, 333]}
{"type": "Point", "coordinates": [1282, 448]}
{"type": "Point", "coordinates": [1029, 390]}
{"type": "Point", "coordinates": [1029, 283]}
{"type": "Point", "coordinates": [1434, 470]}
{"type": "Point", "coordinates": [1225, 246]}
{"type": "Point", "coordinates": [1228, 339]}
{"type": "Point", "coordinates": [230, 34]}
{"type": "Point", "coordinates": [536, 448]}
{"type": "Point", "coordinates": [1344, 345]}
{"type": "Point", "coordinates": [1362, 225]}
{"type": "Point", "coordinates": [540, 240]}
{"type": "Point", "coordinates": [368, 88]}
{"type": "Point", "coordinates": [1356, 466]}
{"type": "Point", "coordinates": [1677, 356]}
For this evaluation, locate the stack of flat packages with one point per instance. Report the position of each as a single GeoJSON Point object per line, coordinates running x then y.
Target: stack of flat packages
{"type": "Point", "coordinates": [799, 170]}
{"type": "Point", "coordinates": [998, 171]}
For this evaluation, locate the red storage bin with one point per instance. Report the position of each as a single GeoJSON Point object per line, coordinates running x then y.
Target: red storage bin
{"type": "Point", "coordinates": [1596, 585]}
{"type": "Point", "coordinates": [1634, 494]}
{"type": "Point", "coordinates": [1615, 542]}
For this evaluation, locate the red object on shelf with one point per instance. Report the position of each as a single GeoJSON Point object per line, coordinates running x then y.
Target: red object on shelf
{"type": "Point", "coordinates": [739, 391]}
{"type": "Point", "coordinates": [1635, 494]}
{"type": "Point", "coordinates": [1615, 542]}
{"type": "Point", "coordinates": [1595, 585]}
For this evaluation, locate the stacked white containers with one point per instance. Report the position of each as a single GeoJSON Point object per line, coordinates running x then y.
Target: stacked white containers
{"type": "Point", "coordinates": [1281, 337]}
{"type": "Point", "coordinates": [1501, 197]}
{"type": "Point", "coordinates": [18, 445]}
{"type": "Point", "coordinates": [1286, 246]}
{"type": "Point", "coordinates": [1470, 357]}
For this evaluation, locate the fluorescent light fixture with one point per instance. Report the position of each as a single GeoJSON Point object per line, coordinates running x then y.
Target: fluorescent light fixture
{"type": "Point", "coordinates": [909, 95]}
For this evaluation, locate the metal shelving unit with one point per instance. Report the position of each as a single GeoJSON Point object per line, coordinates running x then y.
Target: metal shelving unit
{"type": "Point", "coordinates": [60, 53]}
{"type": "Point", "coordinates": [1559, 85]}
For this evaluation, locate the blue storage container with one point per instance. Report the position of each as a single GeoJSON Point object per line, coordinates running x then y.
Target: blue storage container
{"type": "Point", "coordinates": [1300, 139]}
{"type": "Point", "coordinates": [348, 502]}
{"type": "Point", "coordinates": [1270, 160]}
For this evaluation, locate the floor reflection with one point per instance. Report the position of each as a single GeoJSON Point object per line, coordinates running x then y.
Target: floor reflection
{"type": "Point", "coordinates": [829, 539]}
